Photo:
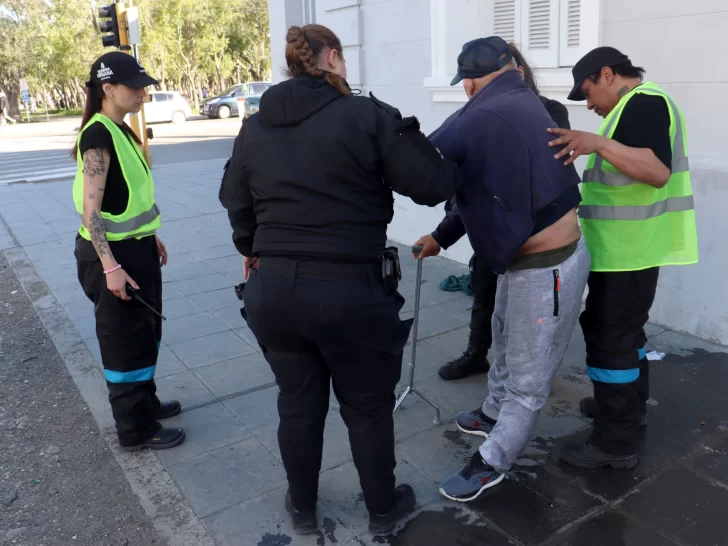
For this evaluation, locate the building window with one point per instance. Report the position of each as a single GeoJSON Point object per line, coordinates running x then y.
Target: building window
{"type": "Point", "coordinates": [547, 31]}
{"type": "Point", "coordinates": [552, 34]}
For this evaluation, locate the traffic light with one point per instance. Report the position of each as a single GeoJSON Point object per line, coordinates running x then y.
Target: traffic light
{"type": "Point", "coordinates": [115, 23]}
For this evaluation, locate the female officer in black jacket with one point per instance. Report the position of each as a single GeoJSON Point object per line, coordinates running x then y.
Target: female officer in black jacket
{"type": "Point", "coordinates": [309, 195]}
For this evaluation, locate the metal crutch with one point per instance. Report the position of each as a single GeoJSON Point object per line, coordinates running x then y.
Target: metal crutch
{"type": "Point", "coordinates": [411, 386]}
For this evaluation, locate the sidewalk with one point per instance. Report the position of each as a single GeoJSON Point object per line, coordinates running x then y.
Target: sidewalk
{"type": "Point", "coordinates": [229, 470]}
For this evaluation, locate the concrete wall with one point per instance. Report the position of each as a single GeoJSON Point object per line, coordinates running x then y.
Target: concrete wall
{"type": "Point", "coordinates": [677, 42]}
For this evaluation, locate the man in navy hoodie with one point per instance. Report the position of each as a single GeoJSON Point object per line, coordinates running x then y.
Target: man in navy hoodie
{"type": "Point", "coordinates": [518, 207]}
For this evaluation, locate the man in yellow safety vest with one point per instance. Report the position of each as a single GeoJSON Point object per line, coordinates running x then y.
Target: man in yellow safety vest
{"type": "Point", "coordinates": [637, 215]}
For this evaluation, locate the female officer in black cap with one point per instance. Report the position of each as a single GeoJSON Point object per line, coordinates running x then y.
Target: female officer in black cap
{"type": "Point", "coordinates": [116, 247]}
{"type": "Point", "coordinates": [309, 195]}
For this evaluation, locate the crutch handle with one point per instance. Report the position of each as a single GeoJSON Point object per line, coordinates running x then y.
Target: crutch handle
{"type": "Point", "coordinates": [416, 250]}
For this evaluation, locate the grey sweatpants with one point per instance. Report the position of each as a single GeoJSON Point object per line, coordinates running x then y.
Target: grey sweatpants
{"type": "Point", "coordinates": [531, 331]}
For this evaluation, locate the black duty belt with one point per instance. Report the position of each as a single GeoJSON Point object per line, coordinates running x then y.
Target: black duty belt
{"type": "Point", "coordinates": [325, 271]}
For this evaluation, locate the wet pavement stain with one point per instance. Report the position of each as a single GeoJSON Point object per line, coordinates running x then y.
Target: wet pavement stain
{"type": "Point", "coordinates": [448, 526]}
{"type": "Point", "coordinates": [456, 438]}
{"type": "Point", "coordinates": [274, 540]}
{"type": "Point", "coordinates": [327, 530]}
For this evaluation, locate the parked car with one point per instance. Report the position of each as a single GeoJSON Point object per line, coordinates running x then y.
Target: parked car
{"type": "Point", "coordinates": [165, 106]}
{"type": "Point", "coordinates": [252, 104]}
{"type": "Point", "coordinates": [229, 102]}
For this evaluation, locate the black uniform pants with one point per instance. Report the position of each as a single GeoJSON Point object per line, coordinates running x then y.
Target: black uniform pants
{"type": "Point", "coordinates": [129, 334]}
{"type": "Point", "coordinates": [320, 323]}
{"type": "Point", "coordinates": [617, 309]}
{"type": "Point", "coordinates": [484, 283]}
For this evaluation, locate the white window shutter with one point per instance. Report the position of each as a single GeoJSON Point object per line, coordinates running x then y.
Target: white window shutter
{"type": "Point", "coordinates": [540, 33]}
{"type": "Point", "coordinates": [503, 19]}
{"type": "Point", "coordinates": [570, 50]}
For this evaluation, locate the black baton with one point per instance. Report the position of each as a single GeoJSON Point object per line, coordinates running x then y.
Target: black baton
{"type": "Point", "coordinates": [134, 294]}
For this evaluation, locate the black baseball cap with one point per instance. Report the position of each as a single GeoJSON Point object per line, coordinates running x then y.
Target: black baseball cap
{"type": "Point", "coordinates": [592, 63]}
{"type": "Point", "coordinates": [120, 67]}
{"type": "Point", "coordinates": [481, 57]}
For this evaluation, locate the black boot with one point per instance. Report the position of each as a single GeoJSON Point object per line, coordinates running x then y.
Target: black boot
{"type": "Point", "coordinates": [165, 438]}
{"type": "Point", "coordinates": [588, 407]}
{"type": "Point", "coordinates": [384, 524]}
{"type": "Point", "coordinates": [474, 360]}
{"type": "Point", "coordinates": [589, 456]}
{"type": "Point", "coordinates": [304, 523]}
{"type": "Point", "coordinates": [168, 409]}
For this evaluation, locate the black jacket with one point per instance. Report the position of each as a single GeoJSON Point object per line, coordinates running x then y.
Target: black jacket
{"type": "Point", "coordinates": [312, 174]}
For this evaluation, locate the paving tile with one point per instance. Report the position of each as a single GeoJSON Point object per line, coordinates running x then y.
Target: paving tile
{"type": "Point", "coordinates": [228, 476]}
{"type": "Point", "coordinates": [336, 442]}
{"type": "Point", "coordinates": [191, 272]}
{"type": "Point", "coordinates": [415, 415]}
{"type": "Point", "coordinates": [612, 528]}
{"type": "Point", "coordinates": [217, 252]}
{"type": "Point", "coordinates": [227, 264]}
{"type": "Point", "coordinates": [438, 452]}
{"type": "Point", "coordinates": [236, 375]}
{"type": "Point", "coordinates": [169, 292]}
{"type": "Point", "coordinates": [203, 283]}
{"type": "Point", "coordinates": [196, 353]}
{"type": "Point", "coordinates": [179, 307]}
{"type": "Point", "coordinates": [217, 299]}
{"type": "Point", "coordinates": [340, 492]}
{"type": "Point", "coordinates": [247, 335]}
{"type": "Point", "coordinates": [184, 387]}
{"type": "Point", "coordinates": [168, 363]}
{"type": "Point", "coordinates": [93, 346]}
{"type": "Point", "coordinates": [257, 410]}
{"type": "Point", "coordinates": [265, 522]}
{"type": "Point", "coordinates": [208, 428]}
{"type": "Point", "coordinates": [189, 327]}
{"type": "Point", "coordinates": [696, 515]}
{"type": "Point", "coordinates": [456, 396]}
{"type": "Point", "coordinates": [434, 322]}
{"type": "Point", "coordinates": [231, 317]}
{"type": "Point", "coordinates": [86, 327]}
{"type": "Point", "coordinates": [712, 461]}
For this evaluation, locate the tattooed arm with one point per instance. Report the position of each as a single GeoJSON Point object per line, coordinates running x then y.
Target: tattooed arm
{"type": "Point", "coordinates": [95, 170]}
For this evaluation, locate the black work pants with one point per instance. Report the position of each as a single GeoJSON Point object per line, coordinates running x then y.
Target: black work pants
{"type": "Point", "coordinates": [129, 334]}
{"type": "Point", "coordinates": [617, 309]}
{"type": "Point", "coordinates": [317, 323]}
{"type": "Point", "coordinates": [484, 283]}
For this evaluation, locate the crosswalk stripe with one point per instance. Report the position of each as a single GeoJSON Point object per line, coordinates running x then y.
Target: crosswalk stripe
{"type": "Point", "coordinates": [32, 167]}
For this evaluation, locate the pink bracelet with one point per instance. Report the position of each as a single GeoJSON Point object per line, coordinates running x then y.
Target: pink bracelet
{"type": "Point", "coordinates": [107, 271]}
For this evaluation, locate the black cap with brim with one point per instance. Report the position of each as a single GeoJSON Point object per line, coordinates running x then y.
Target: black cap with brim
{"type": "Point", "coordinates": [481, 57]}
{"type": "Point", "coordinates": [592, 63]}
{"type": "Point", "coordinates": [119, 67]}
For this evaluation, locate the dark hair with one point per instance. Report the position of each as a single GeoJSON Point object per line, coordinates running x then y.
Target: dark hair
{"type": "Point", "coordinates": [626, 70]}
{"type": "Point", "coordinates": [528, 76]}
{"type": "Point", "coordinates": [304, 47]}
{"type": "Point", "coordinates": [94, 97]}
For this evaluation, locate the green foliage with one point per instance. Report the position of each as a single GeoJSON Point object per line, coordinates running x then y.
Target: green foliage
{"type": "Point", "coordinates": [186, 44]}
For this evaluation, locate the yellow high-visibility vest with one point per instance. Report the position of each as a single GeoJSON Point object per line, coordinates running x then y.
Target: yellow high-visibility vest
{"type": "Point", "coordinates": [142, 216]}
{"type": "Point", "coordinates": [629, 225]}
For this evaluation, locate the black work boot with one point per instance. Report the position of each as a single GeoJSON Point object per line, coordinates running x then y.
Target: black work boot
{"type": "Point", "coordinates": [588, 456]}
{"type": "Point", "coordinates": [473, 361]}
{"type": "Point", "coordinates": [588, 407]}
{"type": "Point", "coordinates": [304, 523]}
{"type": "Point", "coordinates": [165, 438]}
{"type": "Point", "coordinates": [168, 409]}
{"type": "Point", "coordinates": [384, 524]}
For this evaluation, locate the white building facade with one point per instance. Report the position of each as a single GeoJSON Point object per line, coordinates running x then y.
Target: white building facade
{"type": "Point", "coordinates": [405, 51]}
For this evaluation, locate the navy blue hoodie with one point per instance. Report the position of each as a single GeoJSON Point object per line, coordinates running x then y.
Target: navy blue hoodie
{"type": "Point", "coordinates": [508, 170]}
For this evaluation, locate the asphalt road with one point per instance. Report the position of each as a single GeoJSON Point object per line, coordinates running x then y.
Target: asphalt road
{"type": "Point", "coordinates": [38, 151]}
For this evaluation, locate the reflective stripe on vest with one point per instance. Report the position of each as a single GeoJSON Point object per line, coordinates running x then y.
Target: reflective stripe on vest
{"type": "Point", "coordinates": [132, 224]}
{"type": "Point", "coordinates": [672, 204]}
{"type": "Point", "coordinates": [611, 178]}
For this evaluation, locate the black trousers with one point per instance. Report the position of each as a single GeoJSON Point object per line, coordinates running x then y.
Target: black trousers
{"type": "Point", "coordinates": [322, 323]}
{"type": "Point", "coordinates": [617, 309]}
{"type": "Point", "coordinates": [484, 284]}
{"type": "Point", "coordinates": [129, 334]}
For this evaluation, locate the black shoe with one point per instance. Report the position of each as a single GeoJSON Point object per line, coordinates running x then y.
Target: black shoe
{"type": "Point", "coordinates": [168, 409]}
{"type": "Point", "coordinates": [472, 361]}
{"type": "Point", "coordinates": [588, 456]}
{"type": "Point", "coordinates": [304, 523]}
{"type": "Point", "coordinates": [384, 524]}
{"type": "Point", "coordinates": [164, 439]}
{"type": "Point", "coordinates": [588, 407]}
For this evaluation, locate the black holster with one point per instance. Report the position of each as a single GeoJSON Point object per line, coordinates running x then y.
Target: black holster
{"type": "Point", "coordinates": [391, 272]}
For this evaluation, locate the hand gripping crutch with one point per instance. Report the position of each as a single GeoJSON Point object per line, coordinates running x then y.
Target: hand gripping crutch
{"type": "Point", "coordinates": [411, 386]}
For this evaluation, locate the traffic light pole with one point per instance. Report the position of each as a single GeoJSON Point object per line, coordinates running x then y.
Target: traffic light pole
{"type": "Point", "coordinates": [122, 17]}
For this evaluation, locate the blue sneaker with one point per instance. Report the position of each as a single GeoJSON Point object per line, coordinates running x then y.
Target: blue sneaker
{"type": "Point", "coordinates": [471, 481]}
{"type": "Point", "coordinates": [475, 422]}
